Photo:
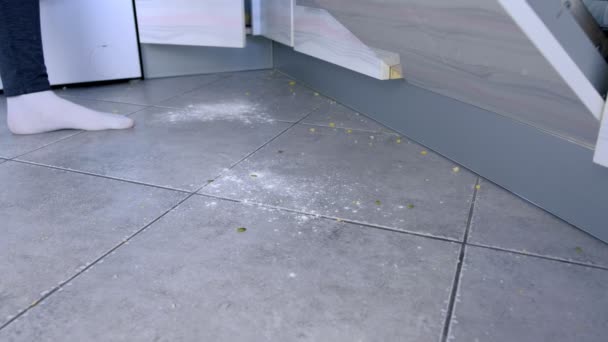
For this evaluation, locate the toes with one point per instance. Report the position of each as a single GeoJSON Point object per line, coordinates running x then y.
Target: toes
{"type": "Point", "coordinates": [123, 123]}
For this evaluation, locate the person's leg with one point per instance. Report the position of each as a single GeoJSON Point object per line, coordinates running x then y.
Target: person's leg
{"type": "Point", "coordinates": [32, 107]}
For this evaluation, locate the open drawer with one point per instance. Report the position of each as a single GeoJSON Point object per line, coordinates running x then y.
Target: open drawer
{"type": "Point", "coordinates": [218, 23]}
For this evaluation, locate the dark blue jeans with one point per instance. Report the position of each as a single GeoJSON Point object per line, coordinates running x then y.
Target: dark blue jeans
{"type": "Point", "coordinates": [21, 59]}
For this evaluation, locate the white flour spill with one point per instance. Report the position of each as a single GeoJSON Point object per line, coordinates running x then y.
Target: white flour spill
{"type": "Point", "coordinates": [234, 111]}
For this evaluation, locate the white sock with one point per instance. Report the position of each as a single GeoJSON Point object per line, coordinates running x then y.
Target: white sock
{"type": "Point", "coordinates": [44, 112]}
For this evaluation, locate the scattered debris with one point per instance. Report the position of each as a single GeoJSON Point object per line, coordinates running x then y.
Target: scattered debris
{"type": "Point", "coordinates": [456, 169]}
{"type": "Point", "coordinates": [247, 93]}
{"type": "Point", "coordinates": [312, 130]}
{"type": "Point", "coordinates": [378, 202]}
{"type": "Point", "coordinates": [349, 131]}
{"type": "Point", "coordinates": [578, 250]}
{"type": "Point", "coordinates": [316, 94]}
{"type": "Point", "coordinates": [253, 175]}
{"type": "Point", "coordinates": [292, 83]}
{"type": "Point", "coordinates": [241, 230]}
{"type": "Point", "coordinates": [477, 186]}
{"type": "Point", "coordinates": [424, 153]}
{"type": "Point", "coordinates": [410, 206]}
{"type": "Point", "coordinates": [332, 125]}
{"type": "Point", "coordinates": [280, 151]}
{"type": "Point", "coordinates": [210, 180]}
{"type": "Point", "coordinates": [398, 140]}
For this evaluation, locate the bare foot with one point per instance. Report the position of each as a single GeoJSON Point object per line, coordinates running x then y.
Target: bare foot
{"type": "Point", "coordinates": [44, 112]}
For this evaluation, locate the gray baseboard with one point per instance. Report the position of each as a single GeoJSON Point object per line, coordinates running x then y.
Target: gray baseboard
{"type": "Point", "coordinates": [549, 171]}
{"type": "Point", "coordinates": [178, 60]}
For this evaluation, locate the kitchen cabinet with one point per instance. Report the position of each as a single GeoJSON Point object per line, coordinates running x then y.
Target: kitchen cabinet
{"type": "Point", "coordinates": [82, 45]}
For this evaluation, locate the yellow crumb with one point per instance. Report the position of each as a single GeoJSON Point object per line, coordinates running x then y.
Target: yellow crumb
{"type": "Point", "coordinates": [332, 125]}
{"type": "Point", "coordinates": [312, 130]}
{"type": "Point", "coordinates": [477, 186]}
{"type": "Point", "coordinates": [456, 169]}
{"type": "Point", "coordinates": [398, 140]}
{"type": "Point", "coordinates": [424, 153]}
{"type": "Point", "coordinates": [349, 131]}
{"type": "Point", "coordinates": [292, 83]}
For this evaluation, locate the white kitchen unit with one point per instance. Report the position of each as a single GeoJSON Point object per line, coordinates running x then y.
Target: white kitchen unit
{"type": "Point", "coordinates": [601, 149]}
{"type": "Point", "coordinates": [219, 23]}
{"type": "Point", "coordinates": [274, 19]}
{"type": "Point", "coordinates": [82, 45]}
{"type": "Point", "coordinates": [317, 33]}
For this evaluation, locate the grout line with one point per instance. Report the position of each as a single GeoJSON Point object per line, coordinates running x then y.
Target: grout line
{"type": "Point", "coordinates": [370, 225]}
{"type": "Point", "coordinates": [85, 97]}
{"type": "Point", "coordinates": [76, 133]}
{"type": "Point", "coordinates": [220, 78]}
{"type": "Point", "coordinates": [143, 80]}
{"type": "Point", "coordinates": [295, 211]}
{"type": "Point", "coordinates": [100, 176]}
{"type": "Point", "coordinates": [538, 256]}
{"type": "Point", "coordinates": [458, 274]}
{"type": "Point", "coordinates": [353, 129]}
{"type": "Point", "coordinates": [263, 145]}
{"type": "Point", "coordinates": [408, 232]}
{"type": "Point", "coordinates": [110, 251]}
{"type": "Point", "coordinates": [101, 100]}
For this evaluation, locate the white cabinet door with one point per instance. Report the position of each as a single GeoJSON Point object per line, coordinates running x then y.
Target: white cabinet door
{"type": "Point", "coordinates": [274, 19]}
{"type": "Point", "coordinates": [192, 22]}
{"type": "Point", "coordinates": [89, 40]}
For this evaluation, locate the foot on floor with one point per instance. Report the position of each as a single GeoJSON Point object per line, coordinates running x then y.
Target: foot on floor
{"type": "Point", "coordinates": [44, 112]}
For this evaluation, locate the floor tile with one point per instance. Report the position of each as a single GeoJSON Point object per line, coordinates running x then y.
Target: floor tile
{"type": "Point", "coordinates": [170, 148]}
{"type": "Point", "coordinates": [146, 92]}
{"type": "Point", "coordinates": [503, 220]}
{"type": "Point", "coordinates": [55, 222]}
{"type": "Point", "coordinates": [192, 277]}
{"type": "Point", "coordinates": [14, 145]}
{"type": "Point", "coordinates": [333, 114]}
{"type": "Point", "coordinates": [256, 83]}
{"type": "Point", "coordinates": [508, 297]}
{"type": "Point", "coordinates": [369, 178]}
{"type": "Point", "coordinates": [268, 99]}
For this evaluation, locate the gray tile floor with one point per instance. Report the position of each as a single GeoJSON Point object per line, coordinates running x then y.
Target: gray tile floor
{"type": "Point", "coordinates": [246, 207]}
